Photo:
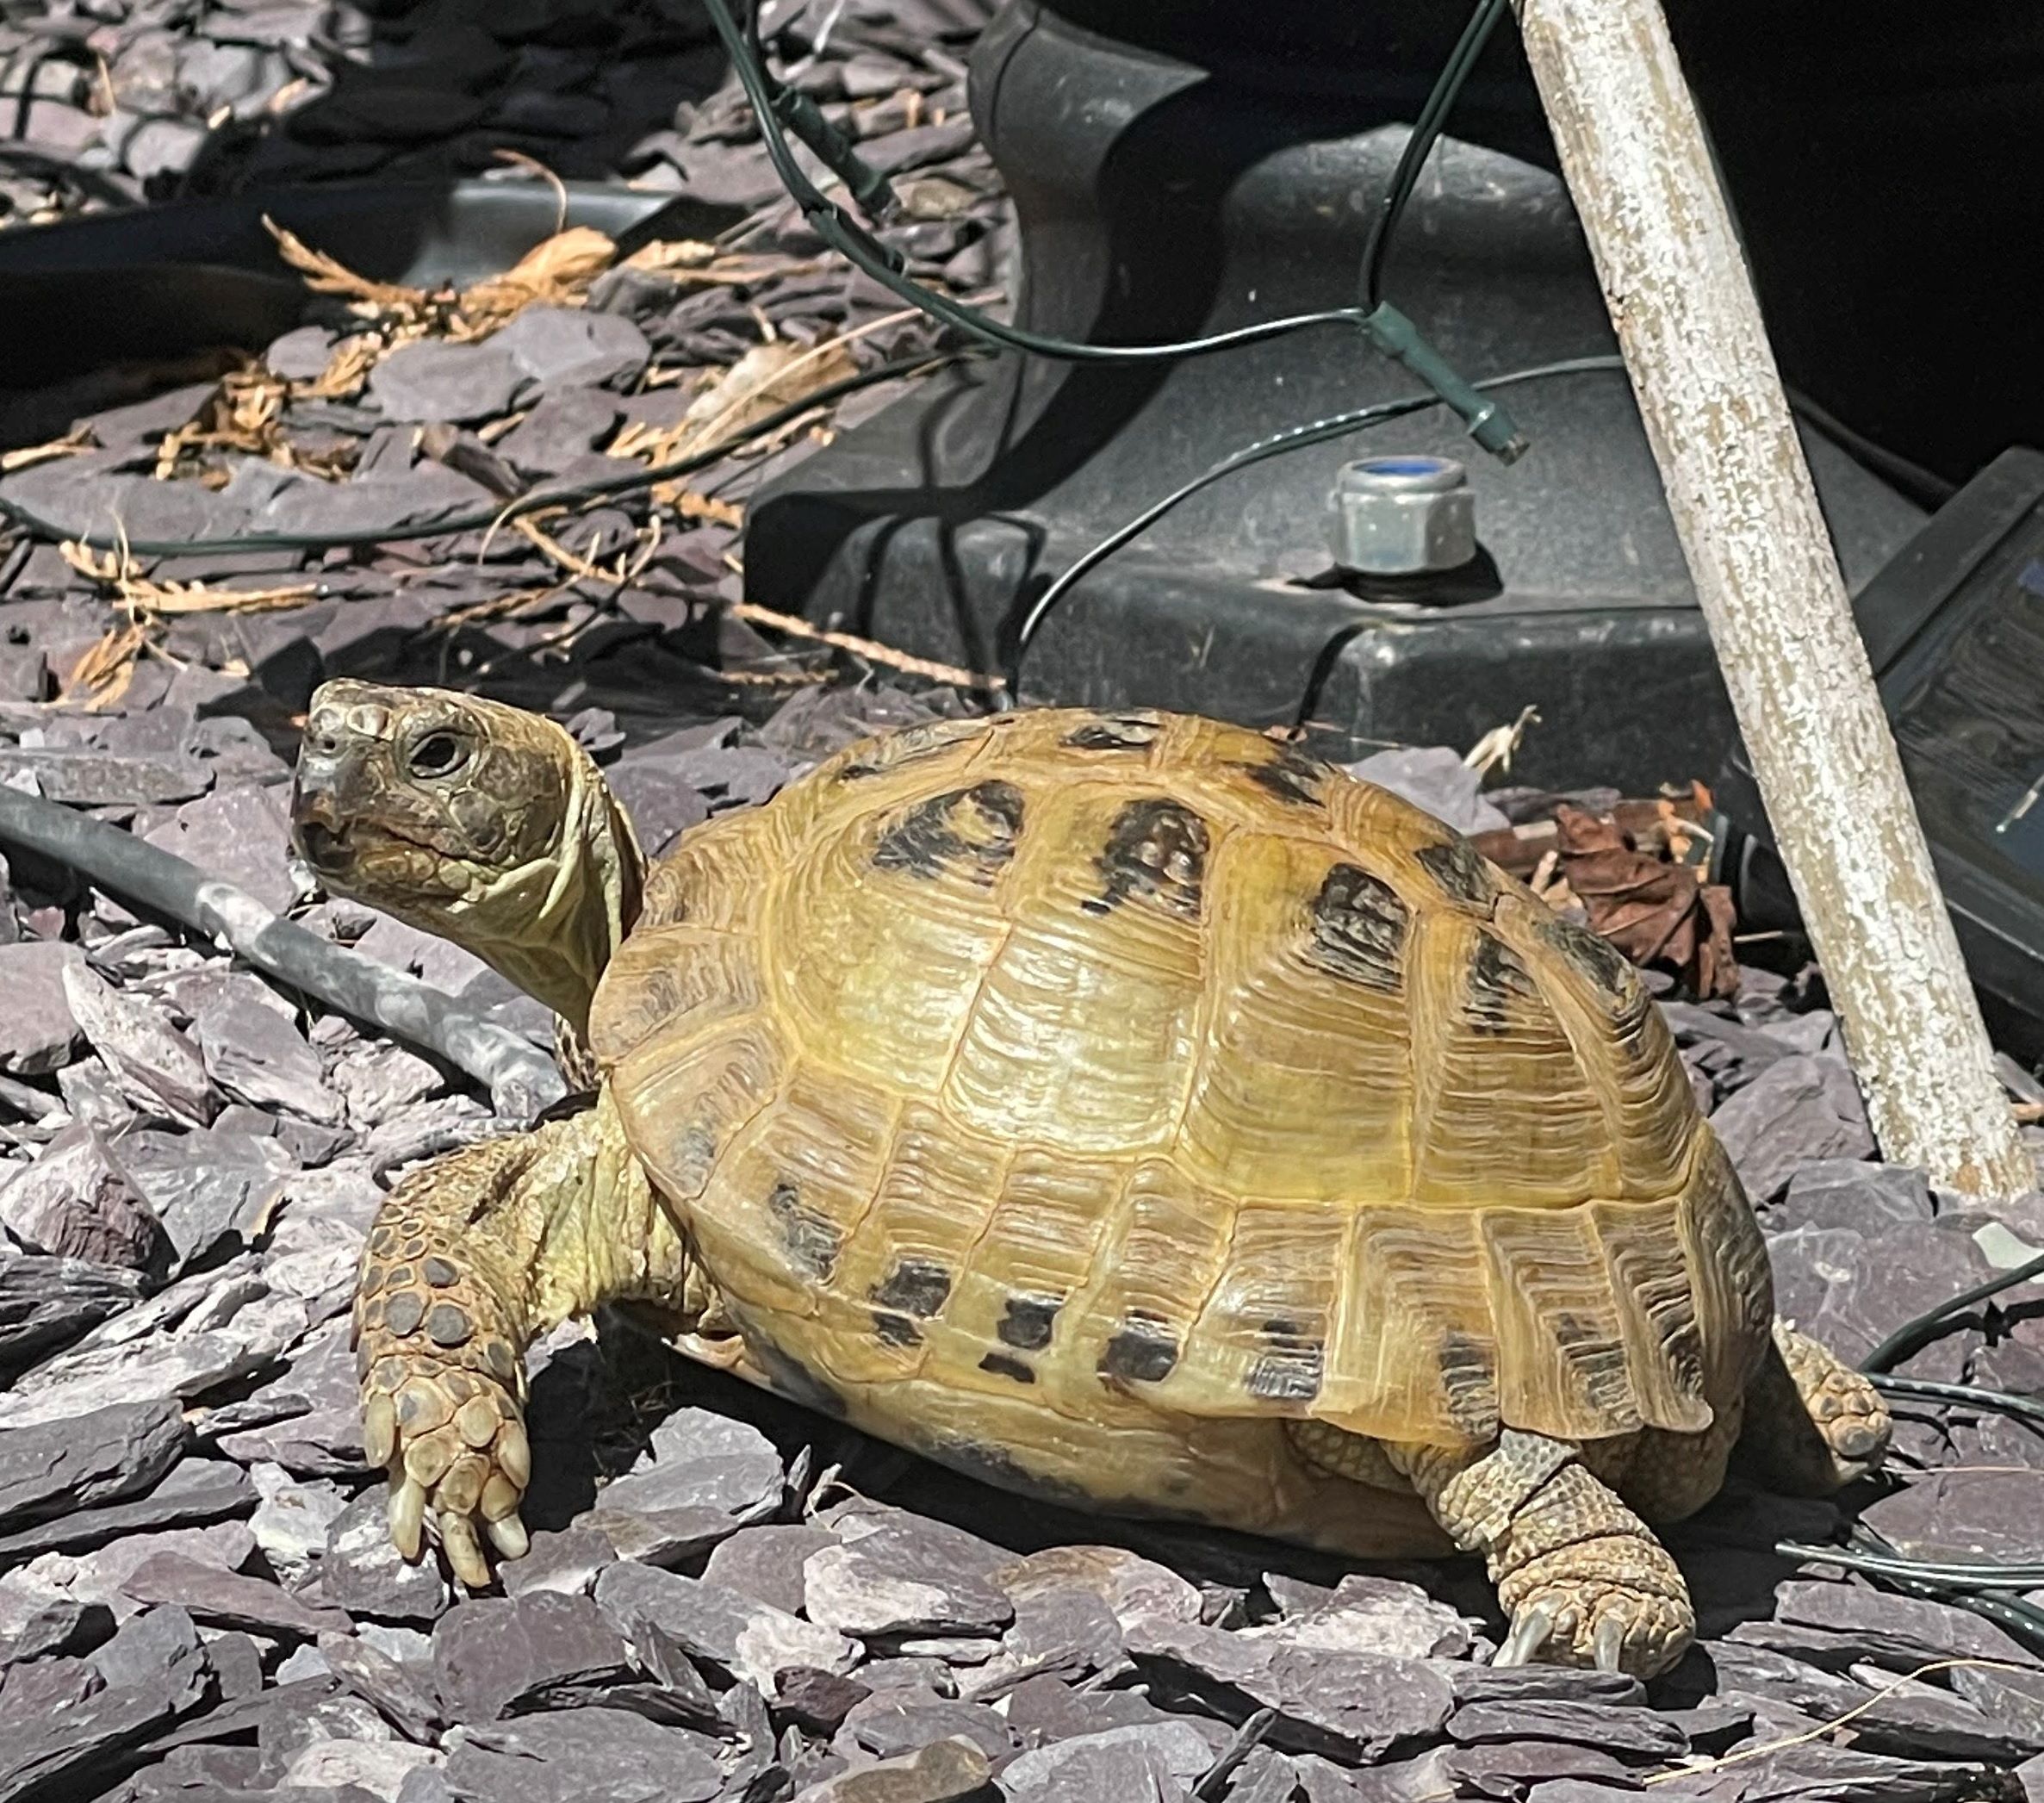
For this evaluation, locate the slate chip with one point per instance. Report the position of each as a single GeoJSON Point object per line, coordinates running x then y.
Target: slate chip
{"type": "Point", "coordinates": [363, 1573]}
{"type": "Point", "coordinates": [491, 1653]}
{"type": "Point", "coordinates": [748, 1640]}
{"type": "Point", "coordinates": [224, 1599]}
{"type": "Point", "coordinates": [1348, 1706]}
{"type": "Point", "coordinates": [882, 1586]}
{"type": "Point", "coordinates": [194, 1492]}
{"type": "Point", "coordinates": [103, 1457]}
{"type": "Point", "coordinates": [459, 383]}
{"type": "Point", "coordinates": [584, 1756]}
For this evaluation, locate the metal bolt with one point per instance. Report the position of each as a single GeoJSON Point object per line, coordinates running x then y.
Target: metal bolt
{"type": "Point", "coordinates": [1401, 516]}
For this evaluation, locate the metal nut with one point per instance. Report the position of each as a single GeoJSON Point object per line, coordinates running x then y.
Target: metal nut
{"type": "Point", "coordinates": [1398, 516]}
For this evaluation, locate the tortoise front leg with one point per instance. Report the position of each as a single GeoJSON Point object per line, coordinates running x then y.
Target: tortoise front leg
{"type": "Point", "coordinates": [1581, 1578]}
{"type": "Point", "coordinates": [469, 1260]}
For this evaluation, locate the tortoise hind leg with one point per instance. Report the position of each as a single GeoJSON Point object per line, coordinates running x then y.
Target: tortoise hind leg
{"type": "Point", "coordinates": [1582, 1578]}
{"type": "Point", "coordinates": [1813, 1424]}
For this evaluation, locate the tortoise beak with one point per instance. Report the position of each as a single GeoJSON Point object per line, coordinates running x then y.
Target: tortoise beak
{"type": "Point", "coordinates": [319, 820]}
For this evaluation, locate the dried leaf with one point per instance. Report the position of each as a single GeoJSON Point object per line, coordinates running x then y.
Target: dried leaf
{"type": "Point", "coordinates": [102, 676]}
{"type": "Point", "coordinates": [1656, 912]}
{"type": "Point", "coordinates": [556, 273]}
{"type": "Point", "coordinates": [142, 596]}
{"type": "Point", "coordinates": [689, 504]}
{"type": "Point", "coordinates": [326, 276]}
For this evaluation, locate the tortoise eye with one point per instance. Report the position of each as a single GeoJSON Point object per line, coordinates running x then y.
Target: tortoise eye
{"type": "Point", "coordinates": [438, 754]}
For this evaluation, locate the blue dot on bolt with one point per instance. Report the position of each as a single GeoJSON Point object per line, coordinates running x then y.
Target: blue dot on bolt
{"type": "Point", "coordinates": [1404, 466]}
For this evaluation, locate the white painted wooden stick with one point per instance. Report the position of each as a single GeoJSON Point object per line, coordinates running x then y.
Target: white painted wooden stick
{"type": "Point", "coordinates": [1637, 163]}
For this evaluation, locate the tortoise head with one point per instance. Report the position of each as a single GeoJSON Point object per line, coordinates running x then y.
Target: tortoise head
{"type": "Point", "coordinates": [473, 820]}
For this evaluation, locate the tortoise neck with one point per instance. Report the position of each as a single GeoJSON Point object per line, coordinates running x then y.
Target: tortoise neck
{"type": "Point", "coordinates": [588, 902]}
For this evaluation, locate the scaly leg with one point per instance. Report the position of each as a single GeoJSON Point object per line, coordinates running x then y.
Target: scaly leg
{"type": "Point", "coordinates": [1813, 1424]}
{"type": "Point", "coordinates": [1581, 1578]}
{"type": "Point", "coordinates": [469, 1260]}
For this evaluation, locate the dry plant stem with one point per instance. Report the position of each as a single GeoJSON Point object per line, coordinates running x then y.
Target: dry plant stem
{"type": "Point", "coordinates": [1635, 158]}
{"type": "Point", "coordinates": [871, 649]}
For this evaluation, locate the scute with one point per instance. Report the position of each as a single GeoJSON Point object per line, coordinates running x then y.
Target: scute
{"type": "Point", "coordinates": [1075, 1065]}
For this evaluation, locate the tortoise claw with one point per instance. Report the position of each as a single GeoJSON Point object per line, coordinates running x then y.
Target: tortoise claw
{"type": "Point", "coordinates": [1607, 1642]}
{"type": "Point", "coordinates": [1531, 1629]}
{"type": "Point", "coordinates": [408, 1517]}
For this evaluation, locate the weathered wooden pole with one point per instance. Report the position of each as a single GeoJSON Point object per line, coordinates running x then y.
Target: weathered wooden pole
{"type": "Point", "coordinates": [1637, 163]}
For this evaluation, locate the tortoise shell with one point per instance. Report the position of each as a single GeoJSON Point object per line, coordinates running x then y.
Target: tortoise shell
{"type": "Point", "coordinates": [1074, 1067]}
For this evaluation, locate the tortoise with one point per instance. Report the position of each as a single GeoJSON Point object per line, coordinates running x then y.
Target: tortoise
{"type": "Point", "coordinates": [1120, 1107]}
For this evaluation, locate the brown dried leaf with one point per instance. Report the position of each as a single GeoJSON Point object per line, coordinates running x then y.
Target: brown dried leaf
{"type": "Point", "coordinates": [326, 276]}
{"type": "Point", "coordinates": [1657, 913]}
{"type": "Point", "coordinates": [555, 273]}
{"type": "Point", "coordinates": [116, 569]}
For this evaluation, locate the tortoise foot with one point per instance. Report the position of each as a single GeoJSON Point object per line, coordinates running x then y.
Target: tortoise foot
{"type": "Point", "coordinates": [1616, 1602]}
{"type": "Point", "coordinates": [1846, 1409]}
{"type": "Point", "coordinates": [441, 1407]}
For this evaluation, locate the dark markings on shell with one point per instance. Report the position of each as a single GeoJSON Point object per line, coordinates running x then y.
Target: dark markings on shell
{"type": "Point", "coordinates": [1459, 870]}
{"type": "Point", "coordinates": [1295, 778]}
{"type": "Point", "coordinates": [1498, 980]}
{"type": "Point", "coordinates": [1468, 1376]}
{"type": "Point", "coordinates": [915, 1286]}
{"type": "Point", "coordinates": [1289, 1373]}
{"type": "Point", "coordinates": [1142, 1351]}
{"type": "Point", "coordinates": [811, 1239]}
{"type": "Point", "coordinates": [996, 1465]}
{"type": "Point", "coordinates": [1027, 1321]}
{"type": "Point", "coordinates": [1156, 851]}
{"type": "Point", "coordinates": [892, 1329]}
{"type": "Point", "coordinates": [1588, 954]}
{"type": "Point", "coordinates": [792, 1378]}
{"type": "Point", "coordinates": [1597, 1360]}
{"type": "Point", "coordinates": [972, 831]}
{"type": "Point", "coordinates": [1359, 931]}
{"type": "Point", "coordinates": [1006, 1365]}
{"type": "Point", "coordinates": [1114, 732]}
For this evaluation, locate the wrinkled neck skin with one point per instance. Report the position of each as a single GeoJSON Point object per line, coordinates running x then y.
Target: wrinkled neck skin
{"type": "Point", "coordinates": [551, 926]}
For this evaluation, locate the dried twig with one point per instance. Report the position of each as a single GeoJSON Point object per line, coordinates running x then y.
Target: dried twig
{"type": "Point", "coordinates": [70, 445]}
{"type": "Point", "coordinates": [871, 649]}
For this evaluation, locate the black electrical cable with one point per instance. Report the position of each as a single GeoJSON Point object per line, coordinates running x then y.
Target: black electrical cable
{"type": "Point", "coordinates": [1906, 1338]}
{"type": "Point", "coordinates": [1296, 437]}
{"type": "Point", "coordinates": [522, 1080]}
{"type": "Point", "coordinates": [1998, 1401]}
{"type": "Point", "coordinates": [845, 235]}
{"type": "Point", "coordinates": [776, 105]}
{"type": "Point", "coordinates": [546, 497]}
{"type": "Point", "coordinates": [1427, 130]}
